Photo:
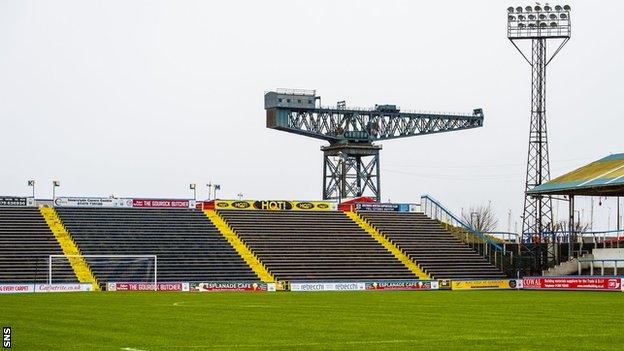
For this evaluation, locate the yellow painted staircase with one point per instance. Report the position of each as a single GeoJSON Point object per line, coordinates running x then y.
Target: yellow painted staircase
{"type": "Point", "coordinates": [243, 250]}
{"type": "Point", "coordinates": [389, 245]}
{"type": "Point", "coordinates": [70, 249]}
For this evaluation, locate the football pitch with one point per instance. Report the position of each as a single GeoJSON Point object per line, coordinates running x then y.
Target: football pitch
{"type": "Point", "coordinates": [440, 320]}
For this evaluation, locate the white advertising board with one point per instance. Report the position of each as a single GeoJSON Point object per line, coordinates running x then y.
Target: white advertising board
{"type": "Point", "coordinates": [16, 288]}
{"type": "Point", "coordinates": [106, 202]}
{"type": "Point", "coordinates": [328, 286]}
{"type": "Point", "coordinates": [63, 287]}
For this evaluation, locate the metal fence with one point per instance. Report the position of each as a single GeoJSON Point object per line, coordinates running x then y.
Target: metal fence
{"type": "Point", "coordinates": [613, 264]}
{"type": "Point", "coordinates": [493, 250]}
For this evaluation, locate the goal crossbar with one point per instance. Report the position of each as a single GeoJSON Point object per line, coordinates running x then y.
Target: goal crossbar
{"type": "Point", "coordinates": [154, 257]}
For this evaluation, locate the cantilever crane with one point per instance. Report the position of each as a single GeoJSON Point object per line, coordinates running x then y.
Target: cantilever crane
{"type": "Point", "coordinates": [351, 160]}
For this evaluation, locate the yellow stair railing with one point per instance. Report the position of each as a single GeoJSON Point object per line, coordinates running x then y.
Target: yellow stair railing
{"type": "Point", "coordinates": [389, 245]}
{"type": "Point", "coordinates": [243, 250]}
{"type": "Point", "coordinates": [70, 249]}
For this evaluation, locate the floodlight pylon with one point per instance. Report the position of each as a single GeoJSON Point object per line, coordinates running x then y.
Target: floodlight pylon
{"type": "Point", "coordinates": [537, 219]}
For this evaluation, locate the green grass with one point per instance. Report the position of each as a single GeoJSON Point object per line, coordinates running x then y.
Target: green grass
{"type": "Point", "coordinates": [441, 320]}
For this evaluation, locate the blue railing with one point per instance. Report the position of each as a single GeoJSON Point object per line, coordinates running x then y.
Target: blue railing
{"type": "Point", "coordinates": [434, 209]}
{"type": "Point", "coordinates": [495, 253]}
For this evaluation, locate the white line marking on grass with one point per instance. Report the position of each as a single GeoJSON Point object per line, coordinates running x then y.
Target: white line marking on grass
{"type": "Point", "coordinates": [131, 349]}
{"type": "Point", "coordinates": [184, 304]}
{"type": "Point", "coordinates": [373, 342]}
{"type": "Point", "coordinates": [300, 344]}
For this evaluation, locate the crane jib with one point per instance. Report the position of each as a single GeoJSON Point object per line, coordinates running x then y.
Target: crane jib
{"type": "Point", "coordinates": [351, 166]}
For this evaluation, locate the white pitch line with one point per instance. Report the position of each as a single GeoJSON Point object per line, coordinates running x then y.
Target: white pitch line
{"type": "Point", "coordinates": [602, 175]}
{"type": "Point", "coordinates": [291, 345]}
{"type": "Point", "coordinates": [369, 342]}
{"type": "Point", "coordinates": [183, 304]}
{"type": "Point", "coordinates": [131, 349]}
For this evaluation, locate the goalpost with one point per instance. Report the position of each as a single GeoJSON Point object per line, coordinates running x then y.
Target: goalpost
{"type": "Point", "coordinates": [117, 268]}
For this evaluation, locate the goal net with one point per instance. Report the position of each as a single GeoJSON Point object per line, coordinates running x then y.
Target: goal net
{"type": "Point", "coordinates": [106, 268]}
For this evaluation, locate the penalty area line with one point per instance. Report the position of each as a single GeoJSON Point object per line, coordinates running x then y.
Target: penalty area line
{"type": "Point", "coordinates": [366, 342]}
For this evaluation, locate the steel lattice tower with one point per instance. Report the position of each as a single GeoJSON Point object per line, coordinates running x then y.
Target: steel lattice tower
{"type": "Point", "coordinates": [539, 25]}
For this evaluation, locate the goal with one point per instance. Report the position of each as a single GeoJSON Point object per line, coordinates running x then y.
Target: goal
{"type": "Point", "coordinates": [107, 268]}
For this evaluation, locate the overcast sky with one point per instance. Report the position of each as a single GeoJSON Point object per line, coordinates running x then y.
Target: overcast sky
{"type": "Point", "coordinates": [141, 98]}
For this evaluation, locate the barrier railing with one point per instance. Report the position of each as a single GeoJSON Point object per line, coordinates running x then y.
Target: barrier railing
{"type": "Point", "coordinates": [505, 237]}
{"type": "Point", "coordinates": [616, 263]}
{"type": "Point", "coordinates": [487, 246]}
{"type": "Point", "coordinates": [598, 237]}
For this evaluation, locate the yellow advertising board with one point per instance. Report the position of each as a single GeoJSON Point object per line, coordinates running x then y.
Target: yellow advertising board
{"type": "Point", "coordinates": [274, 205]}
{"type": "Point", "coordinates": [484, 284]}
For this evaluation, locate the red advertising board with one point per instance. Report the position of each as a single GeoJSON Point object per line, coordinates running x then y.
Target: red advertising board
{"type": "Point", "coordinates": [160, 203]}
{"type": "Point", "coordinates": [175, 286]}
{"type": "Point", "coordinates": [573, 283]}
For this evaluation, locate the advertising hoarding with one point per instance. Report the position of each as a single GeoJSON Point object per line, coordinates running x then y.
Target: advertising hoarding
{"type": "Point", "coordinates": [274, 205]}
{"type": "Point", "coordinates": [573, 283]}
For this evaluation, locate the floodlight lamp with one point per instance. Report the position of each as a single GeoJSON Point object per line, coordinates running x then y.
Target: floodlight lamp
{"type": "Point", "coordinates": [531, 17]}
{"type": "Point", "coordinates": [547, 8]}
{"type": "Point", "coordinates": [521, 17]}
{"type": "Point", "coordinates": [531, 25]}
{"type": "Point", "coordinates": [542, 16]}
{"type": "Point", "coordinates": [521, 25]}
{"type": "Point", "coordinates": [537, 8]}
{"type": "Point", "coordinates": [512, 18]}
{"type": "Point", "coordinates": [567, 7]}
{"type": "Point", "coordinates": [510, 9]}
{"type": "Point", "coordinates": [558, 8]}
{"type": "Point", "coordinates": [563, 16]}
{"type": "Point", "coordinates": [528, 9]}
{"type": "Point", "coordinates": [553, 24]}
{"type": "Point", "coordinates": [543, 24]}
{"type": "Point", "coordinates": [553, 16]}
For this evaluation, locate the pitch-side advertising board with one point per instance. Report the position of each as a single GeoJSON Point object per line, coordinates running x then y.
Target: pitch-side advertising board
{"type": "Point", "coordinates": [231, 286]}
{"type": "Point", "coordinates": [327, 286]}
{"type": "Point", "coordinates": [44, 288]}
{"type": "Point", "coordinates": [485, 284]}
{"type": "Point", "coordinates": [367, 285]}
{"type": "Point", "coordinates": [402, 285]}
{"type": "Point", "coordinates": [164, 286]}
{"type": "Point", "coordinates": [573, 283]}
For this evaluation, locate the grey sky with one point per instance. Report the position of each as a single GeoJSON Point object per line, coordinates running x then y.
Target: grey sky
{"type": "Point", "coordinates": [140, 98]}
